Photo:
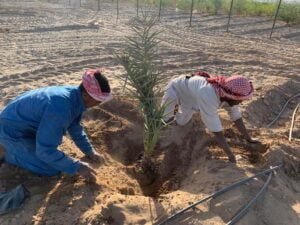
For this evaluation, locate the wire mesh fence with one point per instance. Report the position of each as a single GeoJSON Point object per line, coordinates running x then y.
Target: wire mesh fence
{"type": "Point", "coordinates": [191, 12]}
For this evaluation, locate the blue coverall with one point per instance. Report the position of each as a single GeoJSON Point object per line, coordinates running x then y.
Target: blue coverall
{"type": "Point", "coordinates": [32, 127]}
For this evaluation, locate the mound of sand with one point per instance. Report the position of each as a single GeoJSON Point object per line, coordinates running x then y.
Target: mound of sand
{"type": "Point", "coordinates": [190, 166]}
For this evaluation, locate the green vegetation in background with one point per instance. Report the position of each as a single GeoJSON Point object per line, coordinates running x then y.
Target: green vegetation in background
{"type": "Point", "coordinates": [289, 12]}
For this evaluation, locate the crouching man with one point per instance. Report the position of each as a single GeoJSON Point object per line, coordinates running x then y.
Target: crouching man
{"type": "Point", "coordinates": [32, 126]}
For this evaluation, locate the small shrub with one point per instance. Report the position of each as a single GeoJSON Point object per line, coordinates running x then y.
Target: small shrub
{"type": "Point", "coordinates": [141, 63]}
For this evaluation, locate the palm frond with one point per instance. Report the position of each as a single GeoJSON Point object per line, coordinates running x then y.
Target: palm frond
{"type": "Point", "coordinates": [141, 62]}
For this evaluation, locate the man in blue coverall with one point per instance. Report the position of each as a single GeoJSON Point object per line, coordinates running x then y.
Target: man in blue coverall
{"type": "Point", "coordinates": [32, 126]}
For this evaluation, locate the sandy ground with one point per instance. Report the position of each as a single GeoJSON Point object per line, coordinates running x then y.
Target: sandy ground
{"type": "Point", "coordinates": [51, 43]}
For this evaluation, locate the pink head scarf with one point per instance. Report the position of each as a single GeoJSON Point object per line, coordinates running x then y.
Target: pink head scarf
{"type": "Point", "coordinates": [235, 87]}
{"type": "Point", "coordinates": [91, 85]}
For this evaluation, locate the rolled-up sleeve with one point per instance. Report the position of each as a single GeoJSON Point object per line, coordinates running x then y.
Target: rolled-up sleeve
{"type": "Point", "coordinates": [211, 121]}
{"type": "Point", "coordinates": [80, 138]}
{"type": "Point", "coordinates": [210, 116]}
{"type": "Point", "coordinates": [49, 137]}
{"type": "Point", "coordinates": [234, 112]}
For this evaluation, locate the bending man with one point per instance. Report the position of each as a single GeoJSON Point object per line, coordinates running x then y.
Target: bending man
{"type": "Point", "coordinates": [204, 93]}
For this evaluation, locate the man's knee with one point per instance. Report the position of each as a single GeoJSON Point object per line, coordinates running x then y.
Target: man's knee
{"type": "Point", "coordinates": [31, 163]}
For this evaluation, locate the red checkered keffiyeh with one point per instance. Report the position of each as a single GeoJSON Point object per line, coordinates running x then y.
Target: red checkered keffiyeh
{"type": "Point", "coordinates": [92, 86]}
{"type": "Point", "coordinates": [234, 87]}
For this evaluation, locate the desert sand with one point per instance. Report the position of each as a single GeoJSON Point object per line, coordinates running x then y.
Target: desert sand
{"type": "Point", "coordinates": [51, 43]}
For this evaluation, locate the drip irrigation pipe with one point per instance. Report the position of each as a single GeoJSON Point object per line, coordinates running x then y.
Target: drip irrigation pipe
{"type": "Point", "coordinates": [283, 108]}
{"type": "Point", "coordinates": [293, 122]}
{"type": "Point", "coordinates": [243, 211]}
{"type": "Point", "coordinates": [216, 194]}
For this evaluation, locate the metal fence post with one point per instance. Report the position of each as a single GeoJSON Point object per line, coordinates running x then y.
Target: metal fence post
{"type": "Point", "coordinates": [117, 10]}
{"type": "Point", "coordinates": [98, 5]}
{"type": "Point", "coordinates": [137, 7]}
{"type": "Point", "coordinates": [275, 18]}
{"type": "Point", "coordinates": [159, 13]}
{"type": "Point", "coordinates": [229, 16]}
{"type": "Point", "coordinates": [192, 9]}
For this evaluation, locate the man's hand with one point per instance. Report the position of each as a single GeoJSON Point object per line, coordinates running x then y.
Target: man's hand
{"type": "Point", "coordinates": [96, 157]}
{"type": "Point", "coordinates": [253, 141]}
{"type": "Point", "coordinates": [86, 171]}
{"type": "Point", "coordinates": [257, 146]}
{"type": "Point", "coordinates": [176, 109]}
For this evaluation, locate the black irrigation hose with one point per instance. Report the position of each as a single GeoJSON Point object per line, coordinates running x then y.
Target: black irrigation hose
{"type": "Point", "coordinates": [243, 211]}
{"type": "Point", "coordinates": [228, 188]}
{"type": "Point", "coordinates": [283, 108]}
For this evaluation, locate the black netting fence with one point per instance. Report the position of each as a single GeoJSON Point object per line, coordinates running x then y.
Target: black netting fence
{"type": "Point", "coordinates": [228, 14]}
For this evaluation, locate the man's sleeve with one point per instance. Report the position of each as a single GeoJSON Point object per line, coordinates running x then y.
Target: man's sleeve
{"type": "Point", "coordinates": [211, 120]}
{"type": "Point", "coordinates": [233, 111]}
{"type": "Point", "coordinates": [79, 137]}
{"type": "Point", "coordinates": [49, 136]}
{"type": "Point", "coordinates": [209, 115]}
